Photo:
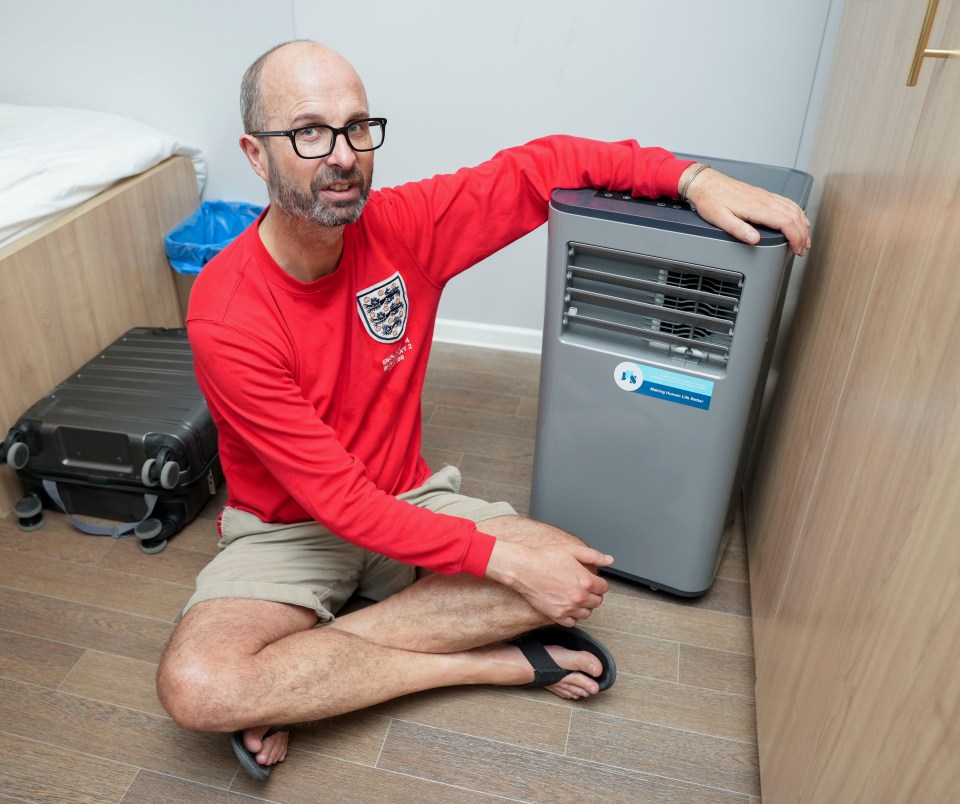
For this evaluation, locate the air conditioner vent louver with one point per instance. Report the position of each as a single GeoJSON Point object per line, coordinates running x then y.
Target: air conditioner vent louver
{"type": "Point", "coordinates": [688, 311]}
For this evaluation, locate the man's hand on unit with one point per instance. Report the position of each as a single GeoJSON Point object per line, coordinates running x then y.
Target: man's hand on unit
{"type": "Point", "coordinates": [733, 205]}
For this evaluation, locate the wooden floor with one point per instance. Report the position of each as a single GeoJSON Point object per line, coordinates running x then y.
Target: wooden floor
{"type": "Point", "coordinates": [83, 621]}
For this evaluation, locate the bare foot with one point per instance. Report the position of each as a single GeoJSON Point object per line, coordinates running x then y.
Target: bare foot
{"type": "Point", "coordinates": [268, 750]}
{"type": "Point", "coordinates": [576, 685]}
{"type": "Point", "coordinates": [515, 669]}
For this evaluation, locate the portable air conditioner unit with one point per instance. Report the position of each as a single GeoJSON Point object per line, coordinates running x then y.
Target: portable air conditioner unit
{"type": "Point", "coordinates": [658, 334]}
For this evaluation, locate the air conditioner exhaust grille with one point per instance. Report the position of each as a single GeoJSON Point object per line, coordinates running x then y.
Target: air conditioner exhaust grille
{"type": "Point", "coordinates": [688, 311]}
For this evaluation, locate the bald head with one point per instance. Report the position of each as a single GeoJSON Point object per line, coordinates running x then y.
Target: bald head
{"type": "Point", "coordinates": [306, 86]}
{"type": "Point", "coordinates": [300, 66]}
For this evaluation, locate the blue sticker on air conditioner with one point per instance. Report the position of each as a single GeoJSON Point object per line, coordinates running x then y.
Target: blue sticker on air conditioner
{"type": "Point", "coordinates": [662, 384]}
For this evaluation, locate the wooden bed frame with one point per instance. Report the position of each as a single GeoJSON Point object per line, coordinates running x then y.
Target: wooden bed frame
{"type": "Point", "coordinates": [75, 285]}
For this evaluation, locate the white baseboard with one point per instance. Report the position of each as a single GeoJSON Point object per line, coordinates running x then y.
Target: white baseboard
{"type": "Point", "coordinates": [489, 336]}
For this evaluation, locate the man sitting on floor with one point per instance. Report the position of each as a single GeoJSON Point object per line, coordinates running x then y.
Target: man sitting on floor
{"type": "Point", "coordinates": [311, 333]}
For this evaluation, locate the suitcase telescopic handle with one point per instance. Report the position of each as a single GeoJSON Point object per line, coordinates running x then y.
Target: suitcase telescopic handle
{"type": "Point", "coordinates": [91, 528]}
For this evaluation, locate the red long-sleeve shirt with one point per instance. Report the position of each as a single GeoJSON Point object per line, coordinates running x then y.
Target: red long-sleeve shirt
{"type": "Point", "coordinates": [315, 387]}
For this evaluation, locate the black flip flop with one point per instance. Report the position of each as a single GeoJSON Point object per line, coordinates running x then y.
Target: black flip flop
{"type": "Point", "coordinates": [547, 672]}
{"type": "Point", "coordinates": [248, 761]}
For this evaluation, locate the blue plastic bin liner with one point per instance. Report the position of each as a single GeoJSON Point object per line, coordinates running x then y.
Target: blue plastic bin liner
{"type": "Point", "coordinates": [207, 232]}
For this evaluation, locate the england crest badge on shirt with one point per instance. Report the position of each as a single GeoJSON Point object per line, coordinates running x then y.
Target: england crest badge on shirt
{"type": "Point", "coordinates": [383, 309]}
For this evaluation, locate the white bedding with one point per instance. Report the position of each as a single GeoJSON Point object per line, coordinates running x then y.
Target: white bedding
{"type": "Point", "coordinates": [53, 158]}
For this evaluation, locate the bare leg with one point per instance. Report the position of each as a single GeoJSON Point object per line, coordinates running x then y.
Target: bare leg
{"type": "Point", "coordinates": [443, 613]}
{"type": "Point", "coordinates": [234, 663]}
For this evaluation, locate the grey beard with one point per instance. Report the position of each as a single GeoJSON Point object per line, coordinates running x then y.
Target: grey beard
{"type": "Point", "coordinates": [311, 208]}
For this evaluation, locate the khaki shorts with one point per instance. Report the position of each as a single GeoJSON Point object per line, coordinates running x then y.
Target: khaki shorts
{"type": "Point", "coordinates": [306, 565]}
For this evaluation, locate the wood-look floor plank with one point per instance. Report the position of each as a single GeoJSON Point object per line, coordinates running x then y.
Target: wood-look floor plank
{"type": "Point", "coordinates": [45, 774]}
{"type": "Point", "coordinates": [487, 713]}
{"type": "Point", "coordinates": [438, 458]}
{"type": "Point", "coordinates": [730, 597]}
{"type": "Point", "coordinates": [673, 753]}
{"type": "Point", "coordinates": [664, 620]}
{"type": "Point", "coordinates": [639, 655]}
{"type": "Point", "coordinates": [201, 535]}
{"type": "Point", "coordinates": [426, 411]}
{"type": "Point", "coordinates": [469, 379]}
{"type": "Point", "coordinates": [678, 706]}
{"type": "Point", "coordinates": [506, 424]}
{"type": "Point", "coordinates": [512, 473]}
{"type": "Point", "coordinates": [496, 362]}
{"type": "Point", "coordinates": [305, 778]}
{"type": "Point", "coordinates": [173, 564]}
{"type": "Point", "coordinates": [485, 444]}
{"type": "Point", "coordinates": [733, 565]}
{"type": "Point", "coordinates": [39, 661]}
{"type": "Point", "coordinates": [470, 401]}
{"type": "Point", "coordinates": [717, 670]}
{"type": "Point", "coordinates": [56, 539]}
{"type": "Point", "coordinates": [354, 737]}
{"type": "Point", "coordinates": [111, 732]}
{"type": "Point", "coordinates": [77, 583]}
{"type": "Point", "coordinates": [83, 626]}
{"type": "Point", "coordinates": [527, 775]}
{"type": "Point", "coordinates": [115, 680]}
{"type": "Point", "coordinates": [529, 406]}
{"type": "Point", "coordinates": [517, 496]}
{"type": "Point", "coordinates": [157, 788]}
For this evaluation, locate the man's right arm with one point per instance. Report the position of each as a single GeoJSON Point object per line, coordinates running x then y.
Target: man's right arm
{"type": "Point", "coordinates": [268, 424]}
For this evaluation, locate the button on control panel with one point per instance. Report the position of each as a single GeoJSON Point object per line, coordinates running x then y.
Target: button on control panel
{"type": "Point", "coordinates": [650, 202]}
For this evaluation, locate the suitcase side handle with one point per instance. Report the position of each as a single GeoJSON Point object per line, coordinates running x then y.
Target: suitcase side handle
{"type": "Point", "coordinates": [91, 528]}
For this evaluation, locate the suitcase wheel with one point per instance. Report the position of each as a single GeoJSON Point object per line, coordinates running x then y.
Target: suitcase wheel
{"type": "Point", "coordinates": [29, 512]}
{"type": "Point", "coordinates": [18, 455]}
{"type": "Point", "coordinates": [150, 532]}
{"type": "Point", "coordinates": [153, 546]}
{"type": "Point", "coordinates": [167, 474]}
{"type": "Point", "coordinates": [170, 475]}
{"type": "Point", "coordinates": [148, 471]}
{"type": "Point", "coordinates": [148, 529]}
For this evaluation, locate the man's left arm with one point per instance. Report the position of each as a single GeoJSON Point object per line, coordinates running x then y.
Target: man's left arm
{"type": "Point", "coordinates": [732, 205]}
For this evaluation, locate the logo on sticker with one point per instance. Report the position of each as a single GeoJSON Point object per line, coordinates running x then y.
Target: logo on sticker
{"type": "Point", "coordinates": [629, 376]}
{"type": "Point", "coordinates": [384, 308]}
{"type": "Point", "coordinates": [659, 383]}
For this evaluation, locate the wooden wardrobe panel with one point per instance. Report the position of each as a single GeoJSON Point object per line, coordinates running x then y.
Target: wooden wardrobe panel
{"type": "Point", "coordinates": [861, 148]}
{"type": "Point", "coordinates": [864, 701]}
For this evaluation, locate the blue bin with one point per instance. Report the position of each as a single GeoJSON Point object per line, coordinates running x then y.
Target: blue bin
{"type": "Point", "coordinates": [206, 233]}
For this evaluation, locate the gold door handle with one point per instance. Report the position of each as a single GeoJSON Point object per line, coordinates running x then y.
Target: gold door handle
{"type": "Point", "coordinates": [923, 51]}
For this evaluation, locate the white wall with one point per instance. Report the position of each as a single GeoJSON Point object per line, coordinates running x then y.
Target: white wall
{"type": "Point", "coordinates": [728, 79]}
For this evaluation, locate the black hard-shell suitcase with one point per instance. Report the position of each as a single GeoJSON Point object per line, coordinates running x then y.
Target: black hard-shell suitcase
{"type": "Point", "coordinates": [128, 437]}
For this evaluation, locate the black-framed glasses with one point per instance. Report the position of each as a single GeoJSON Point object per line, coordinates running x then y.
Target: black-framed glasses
{"type": "Point", "coordinates": [318, 141]}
